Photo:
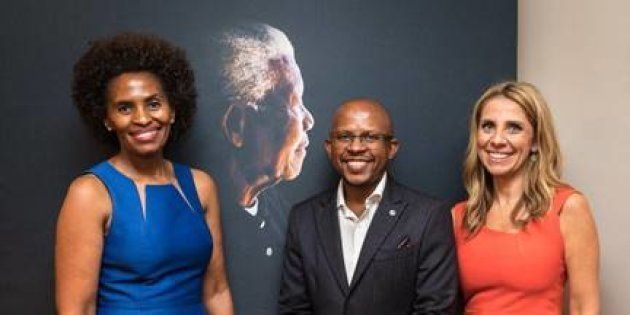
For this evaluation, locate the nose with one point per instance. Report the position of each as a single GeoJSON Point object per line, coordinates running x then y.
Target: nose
{"type": "Point", "coordinates": [141, 116]}
{"type": "Point", "coordinates": [498, 139]}
{"type": "Point", "coordinates": [356, 145]}
{"type": "Point", "coordinates": [308, 122]}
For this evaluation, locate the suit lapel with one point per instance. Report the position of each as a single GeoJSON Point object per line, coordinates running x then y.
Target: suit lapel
{"type": "Point", "coordinates": [385, 218]}
{"type": "Point", "coordinates": [328, 228]}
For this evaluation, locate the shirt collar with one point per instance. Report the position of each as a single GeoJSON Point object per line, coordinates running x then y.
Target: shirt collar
{"type": "Point", "coordinates": [253, 209]}
{"type": "Point", "coordinates": [374, 197]}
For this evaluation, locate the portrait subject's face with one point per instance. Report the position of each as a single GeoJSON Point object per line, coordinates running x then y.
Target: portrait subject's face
{"type": "Point", "coordinates": [280, 128]}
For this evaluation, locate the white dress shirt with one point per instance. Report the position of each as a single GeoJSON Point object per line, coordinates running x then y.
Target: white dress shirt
{"type": "Point", "coordinates": [353, 229]}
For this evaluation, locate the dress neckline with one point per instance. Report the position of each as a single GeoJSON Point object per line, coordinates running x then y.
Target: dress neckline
{"type": "Point", "coordinates": [141, 189]}
{"type": "Point", "coordinates": [497, 231]}
{"type": "Point", "coordinates": [168, 184]}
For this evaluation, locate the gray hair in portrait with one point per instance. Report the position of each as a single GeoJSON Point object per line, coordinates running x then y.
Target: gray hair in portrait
{"type": "Point", "coordinates": [250, 57]}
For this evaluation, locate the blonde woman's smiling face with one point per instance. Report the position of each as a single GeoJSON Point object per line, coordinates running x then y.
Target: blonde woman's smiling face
{"type": "Point", "coordinates": [504, 137]}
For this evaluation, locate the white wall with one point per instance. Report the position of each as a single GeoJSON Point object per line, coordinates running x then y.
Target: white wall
{"type": "Point", "coordinates": [578, 53]}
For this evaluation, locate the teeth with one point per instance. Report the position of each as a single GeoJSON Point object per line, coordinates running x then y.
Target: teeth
{"type": "Point", "coordinates": [497, 155]}
{"type": "Point", "coordinates": [357, 165]}
{"type": "Point", "coordinates": [145, 135]}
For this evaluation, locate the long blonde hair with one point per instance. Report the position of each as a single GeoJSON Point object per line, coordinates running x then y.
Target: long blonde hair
{"type": "Point", "coordinates": [543, 168]}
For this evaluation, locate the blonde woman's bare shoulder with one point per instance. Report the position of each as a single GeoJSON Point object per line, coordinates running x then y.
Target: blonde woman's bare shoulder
{"type": "Point", "coordinates": [576, 206]}
{"type": "Point", "coordinates": [576, 217]}
{"type": "Point", "coordinates": [457, 211]}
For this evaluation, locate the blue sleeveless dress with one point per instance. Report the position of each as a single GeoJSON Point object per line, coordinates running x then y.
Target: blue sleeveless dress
{"type": "Point", "coordinates": [153, 263]}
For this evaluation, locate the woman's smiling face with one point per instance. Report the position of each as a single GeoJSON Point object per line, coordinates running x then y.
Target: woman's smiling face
{"type": "Point", "coordinates": [504, 137]}
{"type": "Point", "coordinates": [138, 111]}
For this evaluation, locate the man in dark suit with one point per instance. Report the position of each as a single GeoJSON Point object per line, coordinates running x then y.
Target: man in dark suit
{"type": "Point", "coordinates": [370, 245]}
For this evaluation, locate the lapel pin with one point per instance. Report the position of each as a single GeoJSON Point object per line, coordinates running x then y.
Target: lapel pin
{"type": "Point", "coordinates": [392, 212]}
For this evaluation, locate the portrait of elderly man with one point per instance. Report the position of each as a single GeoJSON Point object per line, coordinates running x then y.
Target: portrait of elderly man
{"type": "Point", "coordinates": [266, 126]}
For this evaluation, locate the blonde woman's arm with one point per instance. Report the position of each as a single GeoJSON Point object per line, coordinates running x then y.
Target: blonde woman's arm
{"type": "Point", "coordinates": [581, 255]}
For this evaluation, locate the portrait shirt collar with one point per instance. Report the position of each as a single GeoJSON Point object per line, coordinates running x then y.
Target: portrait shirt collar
{"type": "Point", "coordinates": [253, 209]}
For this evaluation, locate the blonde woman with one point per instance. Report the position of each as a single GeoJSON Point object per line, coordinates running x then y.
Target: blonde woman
{"type": "Point", "coordinates": [523, 232]}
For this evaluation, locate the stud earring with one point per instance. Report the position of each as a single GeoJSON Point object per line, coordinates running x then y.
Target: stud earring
{"type": "Point", "coordinates": [534, 156]}
{"type": "Point", "coordinates": [107, 127]}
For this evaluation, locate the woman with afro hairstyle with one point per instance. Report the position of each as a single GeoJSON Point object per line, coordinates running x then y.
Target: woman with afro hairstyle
{"type": "Point", "coordinates": [137, 233]}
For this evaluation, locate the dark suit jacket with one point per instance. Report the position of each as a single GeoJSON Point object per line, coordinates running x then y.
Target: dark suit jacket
{"type": "Point", "coordinates": [407, 264]}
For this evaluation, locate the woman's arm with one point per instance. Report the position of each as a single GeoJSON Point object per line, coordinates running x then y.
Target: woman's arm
{"type": "Point", "coordinates": [581, 255]}
{"type": "Point", "coordinates": [78, 245]}
{"type": "Point", "coordinates": [216, 291]}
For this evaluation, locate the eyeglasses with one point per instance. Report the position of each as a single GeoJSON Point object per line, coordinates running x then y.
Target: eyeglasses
{"type": "Point", "coordinates": [368, 138]}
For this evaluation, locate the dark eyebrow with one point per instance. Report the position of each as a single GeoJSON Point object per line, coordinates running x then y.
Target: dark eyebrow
{"type": "Point", "coordinates": [360, 132]}
{"type": "Point", "coordinates": [122, 102]}
{"type": "Point", "coordinates": [154, 96]}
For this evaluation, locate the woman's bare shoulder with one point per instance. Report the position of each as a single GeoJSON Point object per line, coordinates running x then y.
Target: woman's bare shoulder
{"type": "Point", "coordinates": [87, 192]}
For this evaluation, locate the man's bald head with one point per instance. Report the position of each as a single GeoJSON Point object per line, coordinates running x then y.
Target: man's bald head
{"type": "Point", "coordinates": [363, 108]}
{"type": "Point", "coordinates": [361, 144]}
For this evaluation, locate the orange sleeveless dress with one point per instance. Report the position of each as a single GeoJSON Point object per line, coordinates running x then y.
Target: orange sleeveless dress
{"type": "Point", "coordinates": [514, 273]}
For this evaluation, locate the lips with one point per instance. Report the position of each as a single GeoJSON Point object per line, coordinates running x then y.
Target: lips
{"type": "Point", "coordinates": [498, 156]}
{"type": "Point", "coordinates": [357, 165]}
{"type": "Point", "coordinates": [146, 134]}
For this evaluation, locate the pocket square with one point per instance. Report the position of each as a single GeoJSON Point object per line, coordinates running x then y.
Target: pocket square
{"type": "Point", "coordinates": [404, 242]}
